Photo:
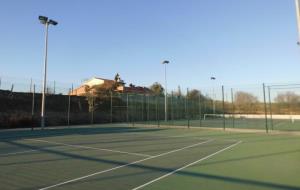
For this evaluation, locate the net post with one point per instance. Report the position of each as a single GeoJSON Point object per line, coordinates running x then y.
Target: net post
{"type": "Point", "coordinates": [223, 107]}
{"type": "Point", "coordinates": [265, 106]}
{"type": "Point", "coordinates": [232, 103]}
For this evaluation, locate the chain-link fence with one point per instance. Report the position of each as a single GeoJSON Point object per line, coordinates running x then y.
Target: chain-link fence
{"type": "Point", "coordinates": [265, 106]}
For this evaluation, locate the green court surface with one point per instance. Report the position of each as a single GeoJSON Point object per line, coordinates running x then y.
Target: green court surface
{"type": "Point", "coordinates": [275, 124]}
{"type": "Point", "coordinates": [127, 157]}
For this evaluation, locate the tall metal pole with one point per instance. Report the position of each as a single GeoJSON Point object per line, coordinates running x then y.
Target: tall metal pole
{"type": "Point", "coordinates": [187, 107]}
{"type": "Point", "coordinates": [54, 87]}
{"type": "Point", "coordinates": [213, 95]}
{"type": "Point", "coordinates": [127, 108]}
{"type": "Point", "coordinates": [32, 107]}
{"type": "Point", "coordinates": [69, 106]}
{"type": "Point", "coordinates": [172, 108]}
{"type": "Point", "coordinates": [166, 90]}
{"type": "Point", "coordinates": [223, 103]}
{"type": "Point", "coordinates": [297, 3]}
{"type": "Point", "coordinates": [111, 107]}
{"type": "Point", "coordinates": [265, 105]}
{"type": "Point", "coordinates": [30, 85]}
{"type": "Point", "coordinates": [200, 110]}
{"type": "Point", "coordinates": [232, 102]}
{"type": "Point", "coordinates": [45, 78]}
{"type": "Point", "coordinates": [270, 106]}
{"type": "Point", "coordinates": [148, 108]}
{"type": "Point", "coordinates": [166, 101]}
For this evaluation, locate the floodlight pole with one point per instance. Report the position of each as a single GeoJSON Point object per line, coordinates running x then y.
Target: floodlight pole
{"type": "Point", "coordinates": [45, 77]}
{"type": "Point", "coordinates": [166, 93]}
{"type": "Point", "coordinates": [46, 22]}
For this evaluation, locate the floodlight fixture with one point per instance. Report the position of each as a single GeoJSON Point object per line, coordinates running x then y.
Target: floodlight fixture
{"type": "Point", "coordinates": [52, 22]}
{"type": "Point", "coordinates": [165, 62]}
{"type": "Point", "coordinates": [43, 19]}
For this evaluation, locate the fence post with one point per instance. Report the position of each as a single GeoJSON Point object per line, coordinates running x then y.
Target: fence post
{"type": "Point", "coordinates": [148, 107]}
{"type": "Point", "coordinates": [32, 108]}
{"type": "Point", "coordinates": [133, 111]}
{"type": "Point", "coordinates": [232, 103]}
{"type": "Point", "coordinates": [111, 107]}
{"type": "Point", "coordinates": [187, 107]}
{"type": "Point", "coordinates": [200, 110]}
{"type": "Point", "coordinates": [30, 88]}
{"type": "Point", "coordinates": [12, 88]}
{"type": "Point", "coordinates": [54, 88]}
{"type": "Point", "coordinates": [265, 105]}
{"type": "Point", "coordinates": [92, 118]}
{"type": "Point", "coordinates": [143, 101]}
{"type": "Point", "coordinates": [127, 108]}
{"type": "Point", "coordinates": [69, 106]}
{"type": "Point", "coordinates": [172, 108]}
{"type": "Point", "coordinates": [0, 82]}
{"type": "Point", "coordinates": [270, 107]}
{"type": "Point", "coordinates": [223, 105]}
{"type": "Point", "coordinates": [157, 116]}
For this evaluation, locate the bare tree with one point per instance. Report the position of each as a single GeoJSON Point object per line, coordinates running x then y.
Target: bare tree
{"type": "Point", "coordinates": [287, 103]}
{"type": "Point", "coordinates": [246, 102]}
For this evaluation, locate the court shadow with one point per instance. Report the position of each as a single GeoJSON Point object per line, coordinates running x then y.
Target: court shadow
{"type": "Point", "coordinates": [21, 134]}
{"type": "Point", "coordinates": [165, 170]}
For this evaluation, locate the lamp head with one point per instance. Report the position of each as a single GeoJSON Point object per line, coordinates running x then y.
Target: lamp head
{"type": "Point", "coordinates": [52, 22]}
{"type": "Point", "coordinates": [43, 19]}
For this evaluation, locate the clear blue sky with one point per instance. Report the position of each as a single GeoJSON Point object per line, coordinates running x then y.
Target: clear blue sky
{"type": "Point", "coordinates": [237, 41]}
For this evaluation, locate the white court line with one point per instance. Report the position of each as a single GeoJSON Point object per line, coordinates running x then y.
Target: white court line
{"type": "Point", "coordinates": [122, 166]}
{"type": "Point", "coordinates": [21, 152]}
{"type": "Point", "coordinates": [93, 148]}
{"type": "Point", "coordinates": [188, 165]}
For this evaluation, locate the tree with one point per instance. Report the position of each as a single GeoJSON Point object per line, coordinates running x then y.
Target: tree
{"type": "Point", "coordinates": [246, 102]}
{"type": "Point", "coordinates": [157, 89]}
{"type": "Point", "coordinates": [194, 94]}
{"type": "Point", "coordinates": [287, 97]}
{"type": "Point", "coordinates": [287, 102]}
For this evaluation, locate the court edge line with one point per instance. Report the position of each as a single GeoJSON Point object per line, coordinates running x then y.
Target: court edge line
{"type": "Point", "coordinates": [122, 166]}
{"type": "Point", "coordinates": [20, 152]}
{"type": "Point", "coordinates": [188, 165]}
{"type": "Point", "coordinates": [93, 148]}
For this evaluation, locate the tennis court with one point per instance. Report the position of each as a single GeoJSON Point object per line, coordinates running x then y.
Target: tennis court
{"type": "Point", "coordinates": [275, 124]}
{"type": "Point", "coordinates": [120, 156]}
